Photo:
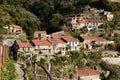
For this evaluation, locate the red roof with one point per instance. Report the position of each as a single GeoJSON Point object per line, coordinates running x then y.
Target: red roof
{"type": "Point", "coordinates": [87, 72]}
{"type": "Point", "coordinates": [93, 38]}
{"type": "Point", "coordinates": [24, 44]}
{"type": "Point", "coordinates": [41, 42]}
{"type": "Point", "coordinates": [16, 26]}
{"type": "Point", "coordinates": [56, 41]}
{"type": "Point", "coordinates": [68, 38]}
{"type": "Point", "coordinates": [56, 36]}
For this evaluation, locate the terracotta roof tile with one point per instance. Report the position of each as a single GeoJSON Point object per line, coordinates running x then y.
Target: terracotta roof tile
{"type": "Point", "coordinates": [93, 38]}
{"type": "Point", "coordinates": [41, 42]}
{"type": "Point", "coordinates": [24, 44]}
{"type": "Point", "coordinates": [16, 26]}
{"type": "Point", "coordinates": [68, 38]}
{"type": "Point", "coordinates": [87, 72]}
{"type": "Point", "coordinates": [56, 36]}
{"type": "Point", "coordinates": [56, 41]}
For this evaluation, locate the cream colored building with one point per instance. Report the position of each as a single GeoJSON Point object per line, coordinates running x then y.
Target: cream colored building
{"type": "Point", "coordinates": [58, 45]}
{"type": "Point", "coordinates": [42, 46]}
{"type": "Point", "coordinates": [15, 29]}
{"type": "Point", "coordinates": [87, 74]}
{"type": "Point", "coordinates": [40, 35]}
{"type": "Point", "coordinates": [25, 47]}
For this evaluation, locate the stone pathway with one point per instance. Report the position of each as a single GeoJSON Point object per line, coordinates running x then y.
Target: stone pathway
{"type": "Point", "coordinates": [20, 71]}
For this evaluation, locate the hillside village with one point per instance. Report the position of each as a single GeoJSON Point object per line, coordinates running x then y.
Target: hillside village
{"type": "Point", "coordinates": [87, 48]}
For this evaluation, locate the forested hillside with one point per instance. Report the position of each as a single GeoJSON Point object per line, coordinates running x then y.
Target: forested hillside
{"type": "Point", "coordinates": [45, 14]}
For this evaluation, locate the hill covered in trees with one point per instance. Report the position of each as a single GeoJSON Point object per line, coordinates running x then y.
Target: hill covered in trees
{"type": "Point", "coordinates": [45, 14]}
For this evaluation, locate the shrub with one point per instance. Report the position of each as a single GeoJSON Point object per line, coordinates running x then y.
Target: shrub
{"type": "Point", "coordinates": [8, 70]}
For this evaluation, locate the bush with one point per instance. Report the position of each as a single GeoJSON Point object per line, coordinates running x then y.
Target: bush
{"type": "Point", "coordinates": [30, 74]}
{"type": "Point", "coordinates": [8, 70]}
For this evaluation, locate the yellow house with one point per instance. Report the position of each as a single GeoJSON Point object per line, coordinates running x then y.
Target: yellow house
{"type": "Point", "coordinates": [43, 46]}
{"type": "Point", "coordinates": [25, 47]}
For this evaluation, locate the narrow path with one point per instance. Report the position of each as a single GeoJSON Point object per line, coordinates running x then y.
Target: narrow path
{"type": "Point", "coordinates": [20, 71]}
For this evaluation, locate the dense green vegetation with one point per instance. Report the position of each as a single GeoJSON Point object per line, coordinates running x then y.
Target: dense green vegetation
{"type": "Point", "coordinates": [48, 15]}
{"type": "Point", "coordinates": [65, 65]}
{"type": "Point", "coordinates": [45, 14]}
{"type": "Point", "coordinates": [8, 70]}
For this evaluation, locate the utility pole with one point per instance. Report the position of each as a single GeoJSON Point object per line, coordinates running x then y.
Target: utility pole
{"type": "Point", "coordinates": [35, 75]}
{"type": "Point", "coordinates": [49, 65]}
{"type": "Point", "coordinates": [76, 72]}
{"type": "Point", "coordinates": [31, 60]}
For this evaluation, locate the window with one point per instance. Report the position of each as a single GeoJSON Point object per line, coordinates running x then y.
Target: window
{"type": "Point", "coordinates": [28, 49]}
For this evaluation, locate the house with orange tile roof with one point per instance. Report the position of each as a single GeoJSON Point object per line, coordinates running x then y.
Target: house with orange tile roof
{"type": "Point", "coordinates": [93, 24]}
{"type": "Point", "coordinates": [25, 47]}
{"type": "Point", "coordinates": [84, 21]}
{"type": "Point", "coordinates": [40, 35]}
{"type": "Point", "coordinates": [15, 29]}
{"type": "Point", "coordinates": [42, 46]}
{"type": "Point", "coordinates": [87, 74]}
{"type": "Point", "coordinates": [90, 41]}
{"type": "Point", "coordinates": [72, 43]}
{"type": "Point", "coordinates": [58, 45]}
{"type": "Point", "coordinates": [89, 24]}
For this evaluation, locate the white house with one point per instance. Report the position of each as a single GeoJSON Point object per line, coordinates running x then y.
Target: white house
{"type": "Point", "coordinates": [72, 43]}
{"type": "Point", "coordinates": [58, 45]}
{"type": "Point", "coordinates": [109, 15]}
{"type": "Point", "coordinates": [89, 24]}
{"type": "Point", "coordinates": [93, 24]}
{"type": "Point", "coordinates": [15, 29]}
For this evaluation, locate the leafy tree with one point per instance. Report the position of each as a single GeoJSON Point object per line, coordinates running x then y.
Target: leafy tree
{"type": "Point", "coordinates": [22, 17]}
{"type": "Point", "coordinates": [104, 4]}
{"type": "Point", "coordinates": [118, 47]}
{"type": "Point", "coordinates": [107, 26]}
{"type": "Point", "coordinates": [5, 18]}
{"type": "Point", "coordinates": [64, 8]}
{"type": "Point", "coordinates": [42, 9]}
{"type": "Point", "coordinates": [111, 47]}
{"type": "Point", "coordinates": [56, 21]}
